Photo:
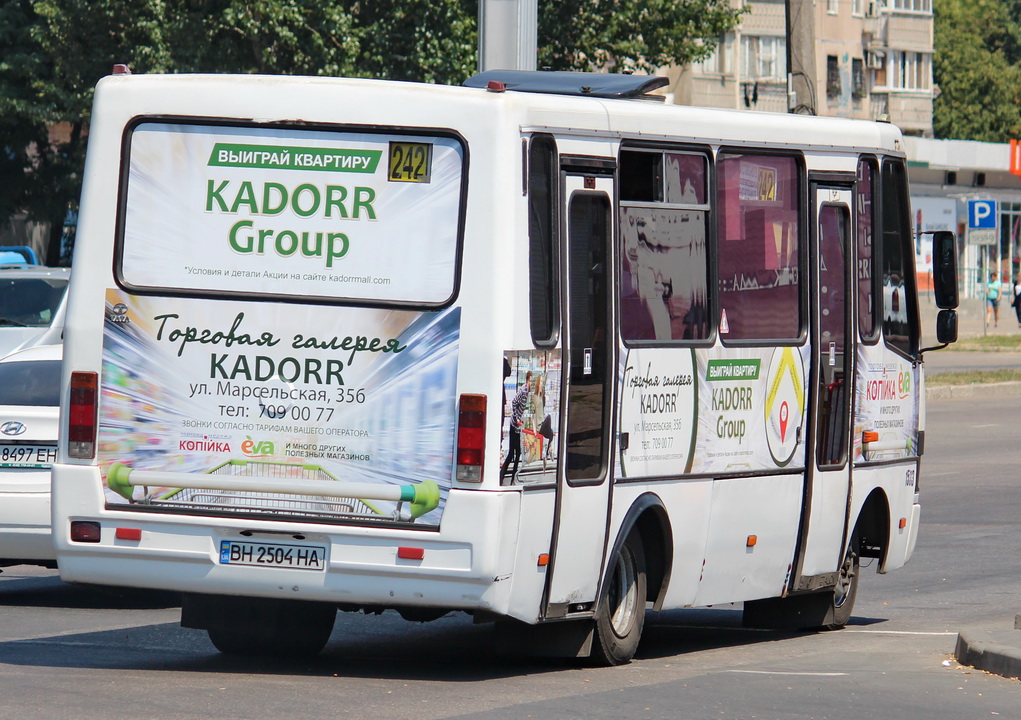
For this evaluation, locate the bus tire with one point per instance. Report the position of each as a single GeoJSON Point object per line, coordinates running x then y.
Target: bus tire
{"type": "Point", "coordinates": [846, 590]}
{"type": "Point", "coordinates": [293, 634]}
{"type": "Point", "coordinates": [620, 612]}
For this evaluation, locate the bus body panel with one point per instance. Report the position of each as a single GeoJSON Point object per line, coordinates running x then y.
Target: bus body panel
{"type": "Point", "coordinates": [749, 552]}
{"type": "Point", "coordinates": [688, 500]}
{"type": "Point", "coordinates": [533, 543]}
{"type": "Point", "coordinates": [896, 485]}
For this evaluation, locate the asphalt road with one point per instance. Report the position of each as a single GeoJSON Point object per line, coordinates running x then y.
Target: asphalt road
{"type": "Point", "coordinates": [76, 652]}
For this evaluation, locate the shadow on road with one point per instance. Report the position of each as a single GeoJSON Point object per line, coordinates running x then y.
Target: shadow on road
{"type": "Point", "coordinates": [47, 591]}
{"type": "Point", "coordinates": [451, 649]}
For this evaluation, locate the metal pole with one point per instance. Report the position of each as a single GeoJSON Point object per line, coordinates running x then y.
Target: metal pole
{"type": "Point", "coordinates": [792, 98]}
{"type": "Point", "coordinates": [507, 34]}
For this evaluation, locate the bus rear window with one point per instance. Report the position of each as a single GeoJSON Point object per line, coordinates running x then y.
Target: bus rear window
{"type": "Point", "coordinates": [332, 216]}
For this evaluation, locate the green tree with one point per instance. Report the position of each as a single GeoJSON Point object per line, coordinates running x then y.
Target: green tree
{"type": "Point", "coordinates": [976, 66]}
{"type": "Point", "coordinates": [34, 171]}
{"type": "Point", "coordinates": [53, 52]}
{"type": "Point", "coordinates": [628, 35]}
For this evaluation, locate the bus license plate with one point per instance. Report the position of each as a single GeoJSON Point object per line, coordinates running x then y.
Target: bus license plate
{"type": "Point", "coordinates": [278, 555]}
{"type": "Point", "coordinates": [27, 456]}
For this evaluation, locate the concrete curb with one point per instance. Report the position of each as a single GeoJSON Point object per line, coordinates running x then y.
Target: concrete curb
{"type": "Point", "coordinates": [998, 652]}
{"type": "Point", "coordinates": [979, 390]}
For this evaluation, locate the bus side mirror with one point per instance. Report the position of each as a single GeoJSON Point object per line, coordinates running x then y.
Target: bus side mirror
{"type": "Point", "coordinates": [944, 271]}
{"type": "Point", "coordinates": [946, 327]}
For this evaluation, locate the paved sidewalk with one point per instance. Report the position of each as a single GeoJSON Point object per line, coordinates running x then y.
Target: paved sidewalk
{"type": "Point", "coordinates": [970, 320]}
{"type": "Point", "coordinates": [994, 650]}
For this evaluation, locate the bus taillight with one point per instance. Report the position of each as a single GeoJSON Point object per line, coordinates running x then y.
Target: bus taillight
{"type": "Point", "coordinates": [471, 437]}
{"type": "Point", "coordinates": [81, 422]}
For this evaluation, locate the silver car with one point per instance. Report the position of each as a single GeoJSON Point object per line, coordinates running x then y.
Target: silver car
{"type": "Point", "coordinates": [29, 421]}
{"type": "Point", "coordinates": [31, 305]}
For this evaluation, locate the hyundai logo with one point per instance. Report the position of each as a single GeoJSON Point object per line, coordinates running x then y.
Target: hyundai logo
{"type": "Point", "coordinates": [12, 428]}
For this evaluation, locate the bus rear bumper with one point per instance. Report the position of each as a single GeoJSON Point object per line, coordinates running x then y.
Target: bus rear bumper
{"type": "Point", "coordinates": [463, 566]}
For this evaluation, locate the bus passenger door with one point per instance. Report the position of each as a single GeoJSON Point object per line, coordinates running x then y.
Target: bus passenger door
{"type": "Point", "coordinates": [583, 483]}
{"type": "Point", "coordinates": [829, 482]}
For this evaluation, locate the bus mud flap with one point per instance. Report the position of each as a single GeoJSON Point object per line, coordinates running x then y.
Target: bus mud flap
{"type": "Point", "coordinates": [795, 612]}
{"type": "Point", "coordinates": [559, 639]}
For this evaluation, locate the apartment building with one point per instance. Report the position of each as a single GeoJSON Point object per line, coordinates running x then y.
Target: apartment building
{"type": "Point", "coordinates": [849, 58]}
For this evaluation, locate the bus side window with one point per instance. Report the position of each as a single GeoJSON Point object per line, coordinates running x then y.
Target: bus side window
{"type": "Point", "coordinates": [664, 218]}
{"type": "Point", "coordinates": [864, 230]}
{"type": "Point", "coordinates": [896, 254]}
{"type": "Point", "coordinates": [544, 306]}
{"type": "Point", "coordinates": [759, 247]}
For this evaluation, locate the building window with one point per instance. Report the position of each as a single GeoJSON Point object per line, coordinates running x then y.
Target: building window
{"type": "Point", "coordinates": [913, 5]}
{"type": "Point", "coordinates": [832, 76]}
{"type": "Point", "coordinates": [763, 57]}
{"type": "Point", "coordinates": [910, 70]}
{"type": "Point", "coordinates": [832, 6]}
{"type": "Point", "coordinates": [718, 62]}
{"type": "Point", "coordinates": [857, 7]}
{"type": "Point", "coordinates": [857, 78]}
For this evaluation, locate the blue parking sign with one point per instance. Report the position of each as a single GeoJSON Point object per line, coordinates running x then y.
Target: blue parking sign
{"type": "Point", "coordinates": [982, 214]}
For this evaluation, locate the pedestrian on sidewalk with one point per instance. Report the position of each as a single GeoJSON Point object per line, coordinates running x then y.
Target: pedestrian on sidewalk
{"type": "Point", "coordinates": [1016, 302]}
{"type": "Point", "coordinates": [993, 291]}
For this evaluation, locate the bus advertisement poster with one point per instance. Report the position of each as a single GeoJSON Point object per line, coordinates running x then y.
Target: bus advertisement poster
{"type": "Point", "coordinates": [885, 403]}
{"type": "Point", "coordinates": [259, 209]}
{"type": "Point", "coordinates": [347, 394]}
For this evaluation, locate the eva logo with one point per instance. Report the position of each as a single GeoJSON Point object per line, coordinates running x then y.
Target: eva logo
{"type": "Point", "coordinates": [251, 448]}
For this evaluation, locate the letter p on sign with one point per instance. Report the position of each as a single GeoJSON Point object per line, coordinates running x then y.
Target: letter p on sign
{"type": "Point", "coordinates": [982, 214]}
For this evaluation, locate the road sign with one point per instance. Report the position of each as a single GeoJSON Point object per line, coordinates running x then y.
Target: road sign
{"type": "Point", "coordinates": [982, 215]}
{"type": "Point", "coordinates": [981, 237]}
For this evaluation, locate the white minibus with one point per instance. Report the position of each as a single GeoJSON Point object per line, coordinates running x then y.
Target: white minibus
{"type": "Point", "coordinates": [540, 348]}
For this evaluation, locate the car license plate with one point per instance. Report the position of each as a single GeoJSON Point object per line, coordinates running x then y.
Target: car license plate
{"type": "Point", "coordinates": [27, 456]}
{"type": "Point", "coordinates": [279, 555]}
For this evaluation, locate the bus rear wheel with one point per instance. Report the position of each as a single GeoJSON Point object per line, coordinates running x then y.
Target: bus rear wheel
{"type": "Point", "coordinates": [292, 630]}
{"type": "Point", "coordinates": [620, 614]}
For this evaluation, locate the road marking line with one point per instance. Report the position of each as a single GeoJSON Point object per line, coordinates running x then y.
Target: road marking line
{"type": "Point", "coordinates": [899, 632]}
{"type": "Point", "coordinates": [781, 672]}
{"type": "Point", "coordinates": [985, 426]}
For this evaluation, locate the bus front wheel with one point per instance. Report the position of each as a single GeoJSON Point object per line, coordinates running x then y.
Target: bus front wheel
{"type": "Point", "coordinates": [620, 614]}
{"type": "Point", "coordinates": [846, 590]}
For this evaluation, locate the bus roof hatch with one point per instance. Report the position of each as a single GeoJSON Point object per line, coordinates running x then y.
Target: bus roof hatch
{"type": "Point", "coordinates": [602, 85]}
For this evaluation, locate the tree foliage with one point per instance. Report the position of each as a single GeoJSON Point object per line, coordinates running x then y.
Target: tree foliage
{"type": "Point", "coordinates": [628, 35]}
{"type": "Point", "coordinates": [29, 163]}
{"type": "Point", "coordinates": [977, 66]}
{"type": "Point", "coordinates": [53, 52]}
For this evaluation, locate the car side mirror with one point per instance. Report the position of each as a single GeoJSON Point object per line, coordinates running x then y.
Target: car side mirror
{"type": "Point", "coordinates": [946, 327]}
{"type": "Point", "coordinates": [944, 271]}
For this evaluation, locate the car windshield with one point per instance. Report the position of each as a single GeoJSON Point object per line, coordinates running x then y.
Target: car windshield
{"type": "Point", "coordinates": [30, 383]}
{"type": "Point", "coordinates": [30, 302]}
